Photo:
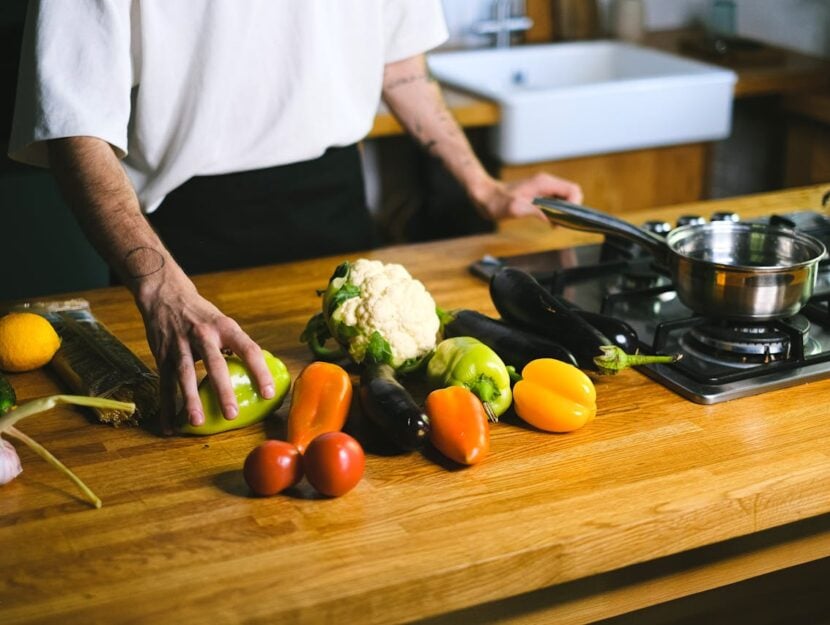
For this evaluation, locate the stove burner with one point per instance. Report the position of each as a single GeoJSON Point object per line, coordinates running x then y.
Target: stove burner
{"type": "Point", "coordinates": [636, 277]}
{"type": "Point", "coordinates": [749, 343]}
{"type": "Point", "coordinates": [721, 360]}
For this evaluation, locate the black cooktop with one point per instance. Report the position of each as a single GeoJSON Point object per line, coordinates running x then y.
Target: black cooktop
{"type": "Point", "coordinates": [721, 360]}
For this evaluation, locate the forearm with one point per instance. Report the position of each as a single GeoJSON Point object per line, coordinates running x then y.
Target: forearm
{"type": "Point", "coordinates": [103, 200]}
{"type": "Point", "coordinates": [416, 101]}
{"type": "Point", "coordinates": [181, 325]}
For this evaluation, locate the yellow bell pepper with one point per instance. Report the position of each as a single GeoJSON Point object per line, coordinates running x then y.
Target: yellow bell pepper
{"type": "Point", "coordinates": [554, 396]}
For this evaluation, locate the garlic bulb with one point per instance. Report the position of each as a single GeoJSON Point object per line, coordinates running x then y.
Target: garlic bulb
{"type": "Point", "coordinates": [9, 462]}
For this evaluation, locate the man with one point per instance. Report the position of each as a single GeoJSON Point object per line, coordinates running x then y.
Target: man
{"type": "Point", "coordinates": [232, 127]}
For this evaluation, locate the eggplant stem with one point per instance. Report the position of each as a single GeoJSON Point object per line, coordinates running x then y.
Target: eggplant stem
{"type": "Point", "coordinates": [614, 359]}
{"type": "Point", "coordinates": [44, 453]}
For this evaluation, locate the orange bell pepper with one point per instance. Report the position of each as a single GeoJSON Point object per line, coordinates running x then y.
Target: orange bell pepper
{"type": "Point", "coordinates": [458, 424]}
{"type": "Point", "coordinates": [554, 396]}
{"type": "Point", "coordinates": [320, 403]}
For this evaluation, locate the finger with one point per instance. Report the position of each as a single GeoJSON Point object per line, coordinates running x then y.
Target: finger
{"type": "Point", "coordinates": [220, 379]}
{"type": "Point", "coordinates": [251, 354]}
{"type": "Point", "coordinates": [186, 374]}
{"type": "Point", "coordinates": [538, 214]}
{"type": "Point", "coordinates": [565, 189]}
{"type": "Point", "coordinates": [523, 206]}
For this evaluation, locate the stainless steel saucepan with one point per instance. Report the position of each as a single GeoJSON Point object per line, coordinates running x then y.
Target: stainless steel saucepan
{"type": "Point", "coordinates": [732, 270]}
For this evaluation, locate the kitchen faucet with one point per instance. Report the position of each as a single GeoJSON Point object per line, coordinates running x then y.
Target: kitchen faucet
{"type": "Point", "coordinates": [503, 23]}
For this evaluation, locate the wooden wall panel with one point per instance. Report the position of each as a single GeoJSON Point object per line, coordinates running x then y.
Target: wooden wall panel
{"type": "Point", "coordinates": [541, 12]}
{"type": "Point", "coordinates": [627, 181]}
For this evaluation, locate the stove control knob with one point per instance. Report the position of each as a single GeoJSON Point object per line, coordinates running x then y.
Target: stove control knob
{"type": "Point", "coordinates": [724, 216]}
{"type": "Point", "coordinates": [658, 227]}
{"type": "Point", "coordinates": [688, 220]}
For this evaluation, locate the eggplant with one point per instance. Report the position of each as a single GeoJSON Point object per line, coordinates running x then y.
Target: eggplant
{"type": "Point", "coordinates": [387, 404]}
{"type": "Point", "coordinates": [619, 332]}
{"type": "Point", "coordinates": [524, 303]}
{"type": "Point", "coordinates": [516, 347]}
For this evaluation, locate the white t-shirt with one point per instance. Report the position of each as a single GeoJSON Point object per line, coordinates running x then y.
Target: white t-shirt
{"type": "Point", "coordinates": [182, 88]}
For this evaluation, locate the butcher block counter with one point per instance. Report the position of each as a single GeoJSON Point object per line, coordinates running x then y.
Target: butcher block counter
{"type": "Point", "coordinates": [658, 498]}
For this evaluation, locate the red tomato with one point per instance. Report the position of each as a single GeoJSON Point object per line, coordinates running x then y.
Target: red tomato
{"type": "Point", "coordinates": [272, 467]}
{"type": "Point", "coordinates": [334, 463]}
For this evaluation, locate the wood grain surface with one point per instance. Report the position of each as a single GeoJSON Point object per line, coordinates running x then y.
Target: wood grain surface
{"type": "Point", "coordinates": [631, 510]}
{"type": "Point", "coordinates": [627, 181]}
{"type": "Point", "coordinates": [778, 71]}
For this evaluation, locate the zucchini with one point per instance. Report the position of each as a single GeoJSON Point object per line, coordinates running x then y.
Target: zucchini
{"type": "Point", "coordinates": [8, 398]}
{"type": "Point", "coordinates": [389, 405]}
{"type": "Point", "coordinates": [516, 347]}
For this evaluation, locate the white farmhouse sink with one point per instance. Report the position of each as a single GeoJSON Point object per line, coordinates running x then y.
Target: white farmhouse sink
{"type": "Point", "coordinates": [575, 99]}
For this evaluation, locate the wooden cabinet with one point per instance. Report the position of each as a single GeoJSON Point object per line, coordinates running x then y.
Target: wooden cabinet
{"type": "Point", "coordinates": [808, 139]}
{"type": "Point", "coordinates": [633, 180]}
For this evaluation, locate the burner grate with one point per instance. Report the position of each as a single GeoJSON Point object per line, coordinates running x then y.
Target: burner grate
{"type": "Point", "coordinates": [622, 281]}
{"type": "Point", "coordinates": [665, 342]}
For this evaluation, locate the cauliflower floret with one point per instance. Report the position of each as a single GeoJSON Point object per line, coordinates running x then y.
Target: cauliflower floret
{"type": "Point", "coordinates": [385, 300]}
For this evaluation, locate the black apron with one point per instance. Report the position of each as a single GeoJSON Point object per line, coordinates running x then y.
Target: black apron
{"type": "Point", "coordinates": [272, 215]}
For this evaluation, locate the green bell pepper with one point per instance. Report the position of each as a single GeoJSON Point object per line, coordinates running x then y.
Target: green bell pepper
{"type": "Point", "coordinates": [252, 407]}
{"type": "Point", "coordinates": [465, 361]}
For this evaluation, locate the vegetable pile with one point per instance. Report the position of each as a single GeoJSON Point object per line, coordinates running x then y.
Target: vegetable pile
{"type": "Point", "coordinates": [331, 460]}
{"type": "Point", "coordinates": [386, 323]}
{"type": "Point", "coordinates": [332, 463]}
{"type": "Point", "coordinates": [376, 318]}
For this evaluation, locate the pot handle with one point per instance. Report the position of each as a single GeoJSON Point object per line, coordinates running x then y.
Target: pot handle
{"type": "Point", "coordinates": [592, 220]}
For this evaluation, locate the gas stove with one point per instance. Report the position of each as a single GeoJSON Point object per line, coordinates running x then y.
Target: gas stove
{"type": "Point", "coordinates": [721, 359]}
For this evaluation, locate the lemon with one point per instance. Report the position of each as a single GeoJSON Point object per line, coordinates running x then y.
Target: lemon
{"type": "Point", "coordinates": [27, 341]}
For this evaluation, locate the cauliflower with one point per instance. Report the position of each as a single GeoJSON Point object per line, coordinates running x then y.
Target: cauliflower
{"type": "Point", "coordinates": [378, 313]}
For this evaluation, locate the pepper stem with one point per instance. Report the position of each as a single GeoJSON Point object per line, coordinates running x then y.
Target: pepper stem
{"type": "Point", "coordinates": [484, 388]}
{"type": "Point", "coordinates": [316, 334]}
{"type": "Point", "coordinates": [613, 359]}
{"type": "Point", "coordinates": [491, 414]}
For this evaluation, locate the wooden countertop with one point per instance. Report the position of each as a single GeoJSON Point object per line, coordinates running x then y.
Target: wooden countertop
{"type": "Point", "coordinates": [773, 71]}
{"type": "Point", "coordinates": [631, 510]}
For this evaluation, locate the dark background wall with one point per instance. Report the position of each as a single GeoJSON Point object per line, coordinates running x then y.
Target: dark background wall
{"type": "Point", "coordinates": [42, 250]}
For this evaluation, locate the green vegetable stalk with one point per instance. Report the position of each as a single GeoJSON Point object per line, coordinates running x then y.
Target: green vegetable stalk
{"type": "Point", "coordinates": [252, 407]}
{"type": "Point", "coordinates": [465, 361]}
{"type": "Point", "coordinates": [613, 359]}
{"type": "Point", "coordinates": [10, 415]}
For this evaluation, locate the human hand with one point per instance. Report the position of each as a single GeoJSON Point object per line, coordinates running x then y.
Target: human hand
{"type": "Point", "coordinates": [515, 199]}
{"type": "Point", "coordinates": [183, 327]}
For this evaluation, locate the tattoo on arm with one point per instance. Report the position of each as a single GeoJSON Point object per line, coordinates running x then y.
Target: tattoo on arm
{"type": "Point", "coordinates": [141, 262]}
{"type": "Point", "coordinates": [406, 80]}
